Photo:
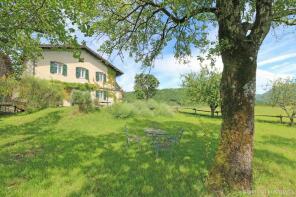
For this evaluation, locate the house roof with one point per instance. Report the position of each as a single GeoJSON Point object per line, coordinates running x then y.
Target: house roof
{"type": "Point", "coordinates": [90, 51]}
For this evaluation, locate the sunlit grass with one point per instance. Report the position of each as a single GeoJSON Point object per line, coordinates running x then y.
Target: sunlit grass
{"type": "Point", "coordinates": [59, 152]}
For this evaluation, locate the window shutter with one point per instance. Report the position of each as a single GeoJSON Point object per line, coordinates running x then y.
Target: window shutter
{"type": "Point", "coordinates": [78, 71]}
{"type": "Point", "coordinates": [53, 68]}
{"type": "Point", "coordinates": [86, 74]}
{"type": "Point", "coordinates": [105, 94]}
{"type": "Point", "coordinates": [97, 76]}
{"type": "Point", "coordinates": [104, 75]}
{"type": "Point", "coordinates": [97, 94]}
{"type": "Point", "coordinates": [65, 71]}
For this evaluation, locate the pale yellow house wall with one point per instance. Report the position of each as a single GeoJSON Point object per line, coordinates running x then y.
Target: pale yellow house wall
{"type": "Point", "coordinates": [93, 64]}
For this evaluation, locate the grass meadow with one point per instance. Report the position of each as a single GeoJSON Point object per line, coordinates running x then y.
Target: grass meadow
{"type": "Point", "coordinates": [59, 152]}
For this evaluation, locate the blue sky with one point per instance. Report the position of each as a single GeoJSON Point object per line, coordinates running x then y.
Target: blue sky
{"type": "Point", "coordinates": [277, 58]}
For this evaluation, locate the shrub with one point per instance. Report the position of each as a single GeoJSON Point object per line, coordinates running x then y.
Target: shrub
{"type": "Point", "coordinates": [38, 93]}
{"type": "Point", "coordinates": [123, 110]}
{"type": "Point", "coordinates": [8, 87]}
{"type": "Point", "coordinates": [164, 110]}
{"type": "Point", "coordinates": [140, 108]}
{"type": "Point", "coordinates": [82, 99]}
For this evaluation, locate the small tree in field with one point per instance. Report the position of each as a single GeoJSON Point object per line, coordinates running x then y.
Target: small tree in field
{"type": "Point", "coordinates": [82, 99]}
{"type": "Point", "coordinates": [204, 87]}
{"type": "Point", "coordinates": [145, 86]}
{"type": "Point", "coordinates": [283, 94]}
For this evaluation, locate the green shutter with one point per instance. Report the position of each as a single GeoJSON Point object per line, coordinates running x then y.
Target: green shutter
{"type": "Point", "coordinates": [65, 71]}
{"type": "Point", "coordinates": [86, 74]}
{"type": "Point", "coordinates": [53, 68]}
{"type": "Point", "coordinates": [105, 95]}
{"type": "Point", "coordinates": [104, 78]}
{"type": "Point", "coordinates": [97, 76]}
{"type": "Point", "coordinates": [78, 71]}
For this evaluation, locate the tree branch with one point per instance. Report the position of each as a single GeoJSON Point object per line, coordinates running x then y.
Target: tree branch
{"type": "Point", "coordinates": [286, 21]}
{"type": "Point", "coordinates": [175, 18]}
{"type": "Point", "coordinates": [284, 17]}
{"type": "Point", "coordinates": [284, 13]}
{"type": "Point", "coordinates": [262, 22]}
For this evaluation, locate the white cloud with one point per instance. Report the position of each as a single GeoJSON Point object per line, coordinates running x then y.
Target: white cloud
{"type": "Point", "coordinates": [264, 78]}
{"type": "Point", "coordinates": [279, 66]}
{"type": "Point", "coordinates": [276, 44]}
{"type": "Point", "coordinates": [130, 69]}
{"type": "Point", "coordinates": [169, 70]}
{"type": "Point", "coordinates": [277, 59]}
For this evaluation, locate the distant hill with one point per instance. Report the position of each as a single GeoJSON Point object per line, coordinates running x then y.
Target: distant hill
{"type": "Point", "coordinates": [177, 96]}
{"type": "Point", "coordinates": [263, 98]}
{"type": "Point", "coordinates": [172, 96]}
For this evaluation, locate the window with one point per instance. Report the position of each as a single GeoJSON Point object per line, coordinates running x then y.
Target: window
{"type": "Point", "coordinates": [58, 68]}
{"type": "Point", "coordinates": [102, 95]}
{"type": "Point", "coordinates": [82, 73]}
{"type": "Point", "coordinates": [100, 76]}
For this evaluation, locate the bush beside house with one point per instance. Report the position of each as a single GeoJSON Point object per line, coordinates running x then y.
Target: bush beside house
{"type": "Point", "coordinates": [33, 93]}
{"type": "Point", "coordinates": [82, 99]}
{"type": "Point", "coordinates": [39, 94]}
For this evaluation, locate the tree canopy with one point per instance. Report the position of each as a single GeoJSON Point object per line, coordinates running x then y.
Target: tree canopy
{"type": "Point", "coordinates": [283, 94]}
{"type": "Point", "coordinates": [145, 86]}
{"type": "Point", "coordinates": [24, 24]}
{"type": "Point", "coordinates": [204, 87]}
{"type": "Point", "coordinates": [145, 27]}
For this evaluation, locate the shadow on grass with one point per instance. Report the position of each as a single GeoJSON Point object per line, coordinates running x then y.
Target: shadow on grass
{"type": "Point", "coordinates": [264, 157]}
{"type": "Point", "coordinates": [38, 151]}
{"type": "Point", "coordinates": [277, 122]}
{"type": "Point", "coordinates": [269, 156]}
{"type": "Point", "coordinates": [38, 154]}
{"type": "Point", "coordinates": [137, 172]}
{"type": "Point", "coordinates": [200, 114]}
{"type": "Point", "coordinates": [279, 141]}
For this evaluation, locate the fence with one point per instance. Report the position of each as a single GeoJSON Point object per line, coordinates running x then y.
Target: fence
{"type": "Point", "coordinates": [195, 110]}
{"type": "Point", "coordinates": [10, 108]}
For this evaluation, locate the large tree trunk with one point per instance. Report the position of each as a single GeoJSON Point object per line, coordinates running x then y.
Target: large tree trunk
{"type": "Point", "coordinates": [241, 42]}
{"type": "Point", "coordinates": [233, 165]}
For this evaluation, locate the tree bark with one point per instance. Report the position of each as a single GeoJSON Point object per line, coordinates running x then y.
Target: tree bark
{"type": "Point", "coordinates": [292, 121]}
{"type": "Point", "coordinates": [233, 162]}
{"type": "Point", "coordinates": [213, 108]}
{"type": "Point", "coordinates": [233, 166]}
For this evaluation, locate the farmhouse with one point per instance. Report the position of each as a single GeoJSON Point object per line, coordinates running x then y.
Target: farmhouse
{"type": "Point", "coordinates": [89, 69]}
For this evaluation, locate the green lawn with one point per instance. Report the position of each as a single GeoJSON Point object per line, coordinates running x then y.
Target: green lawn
{"type": "Point", "coordinates": [57, 152]}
